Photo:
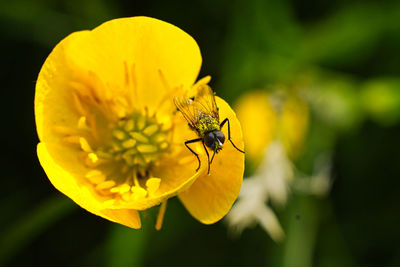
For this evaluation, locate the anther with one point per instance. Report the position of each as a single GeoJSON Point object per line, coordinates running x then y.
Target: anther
{"type": "Point", "coordinates": [105, 185]}
{"type": "Point", "coordinates": [85, 145]}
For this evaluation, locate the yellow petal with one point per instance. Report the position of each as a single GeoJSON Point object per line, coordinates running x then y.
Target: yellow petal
{"type": "Point", "coordinates": [132, 57]}
{"type": "Point", "coordinates": [65, 181]}
{"type": "Point", "coordinates": [211, 196]}
{"type": "Point", "coordinates": [140, 54]}
{"type": "Point", "coordinates": [53, 99]}
{"type": "Point", "coordinates": [259, 122]}
{"type": "Point", "coordinates": [125, 217]}
{"type": "Point", "coordinates": [69, 184]}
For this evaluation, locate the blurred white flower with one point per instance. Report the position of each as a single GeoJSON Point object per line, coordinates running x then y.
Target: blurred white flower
{"type": "Point", "coordinates": [272, 183]}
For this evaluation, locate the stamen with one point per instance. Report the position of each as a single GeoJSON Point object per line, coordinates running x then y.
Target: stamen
{"type": "Point", "coordinates": [138, 192]}
{"type": "Point", "coordinates": [122, 189]}
{"type": "Point", "coordinates": [77, 99]}
{"type": "Point", "coordinates": [119, 106]}
{"type": "Point", "coordinates": [164, 81]}
{"type": "Point", "coordinates": [161, 214]}
{"type": "Point", "coordinates": [73, 139]}
{"type": "Point", "coordinates": [93, 157]}
{"type": "Point", "coordinates": [126, 196]}
{"type": "Point", "coordinates": [95, 176]}
{"type": "Point", "coordinates": [65, 130]}
{"type": "Point", "coordinates": [134, 84]}
{"type": "Point", "coordinates": [135, 180]}
{"type": "Point", "coordinates": [137, 141]}
{"type": "Point", "coordinates": [82, 124]}
{"type": "Point", "coordinates": [152, 185]}
{"type": "Point", "coordinates": [105, 185]}
{"type": "Point", "coordinates": [126, 72]}
{"type": "Point", "coordinates": [85, 145]}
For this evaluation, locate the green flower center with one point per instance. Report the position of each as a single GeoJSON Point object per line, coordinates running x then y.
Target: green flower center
{"type": "Point", "coordinates": [138, 140]}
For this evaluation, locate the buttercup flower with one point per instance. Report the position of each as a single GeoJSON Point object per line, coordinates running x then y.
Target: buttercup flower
{"type": "Point", "coordinates": [111, 138]}
{"type": "Point", "coordinates": [269, 116]}
{"type": "Point", "coordinates": [275, 125]}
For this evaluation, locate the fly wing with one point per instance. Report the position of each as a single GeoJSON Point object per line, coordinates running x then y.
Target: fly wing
{"type": "Point", "coordinates": [188, 109]}
{"type": "Point", "coordinates": [205, 100]}
{"type": "Point", "coordinates": [203, 103]}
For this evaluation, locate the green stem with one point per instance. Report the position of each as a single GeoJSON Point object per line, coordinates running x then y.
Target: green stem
{"type": "Point", "coordinates": [126, 246]}
{"type": "Point", "coordinates": [301, 233]}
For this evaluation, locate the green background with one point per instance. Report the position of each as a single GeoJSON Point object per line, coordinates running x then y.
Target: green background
{"type": "Point", "coordinates": [349, 49]}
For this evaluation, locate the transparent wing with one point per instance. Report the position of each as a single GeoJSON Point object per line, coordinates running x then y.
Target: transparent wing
{"type": "Point", "coordinates": [202, 103]}
{"type": "Point", "coordinates": [189, 110]}
{"type": "Point", "coordinates": [205, 100]}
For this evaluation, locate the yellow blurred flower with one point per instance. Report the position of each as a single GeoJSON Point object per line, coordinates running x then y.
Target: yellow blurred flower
{"type": "Point", "coordinates": [267, 116]}
{"type": "Point", "coordinates": [274, 128]}
{"type": "Point", "coordinates": [110, 136]}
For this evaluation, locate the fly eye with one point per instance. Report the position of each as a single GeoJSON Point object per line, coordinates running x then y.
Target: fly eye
{"type": "Point", "coordinates": [220, 136]}
{"type": "Point", "coordinates": [209, 140]}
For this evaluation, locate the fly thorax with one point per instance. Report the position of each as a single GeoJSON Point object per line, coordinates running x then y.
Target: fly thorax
{"type": "Point", "coordinates": [207, 124]}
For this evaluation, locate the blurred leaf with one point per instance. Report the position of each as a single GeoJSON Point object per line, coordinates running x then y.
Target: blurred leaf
{"type": "Point", "coordinates": [31, 225]}
{"type": "Point", "coordinates": [381, 99]}
{"type": "Point", "coordinates": [336, 101]}
{"type": "Point", "coordinates": [350, 34]}
{"type": "Point", "coordinates": [47, 22]}
{"type": "Point", "coordinates": [260, 45]}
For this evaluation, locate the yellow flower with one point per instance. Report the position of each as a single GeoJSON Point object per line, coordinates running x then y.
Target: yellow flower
{"type": "Point", "coordinates": [269, 116]}
{"type": "Point", "coordinates": [274, 127]}
{"type": "Point", "coordinates": [110, 136]}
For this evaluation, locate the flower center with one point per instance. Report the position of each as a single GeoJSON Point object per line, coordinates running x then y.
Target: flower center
{"type": "Point", "coordinates": [123, 167]}
{"type": "Point", "coordinates": [138, 140]}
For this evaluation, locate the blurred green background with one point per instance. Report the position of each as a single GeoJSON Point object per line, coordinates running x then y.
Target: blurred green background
{"type": "Point", "coordinates": [346, 53]}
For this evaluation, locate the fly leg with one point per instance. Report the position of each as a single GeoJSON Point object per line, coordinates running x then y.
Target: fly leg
{"type": "Point", "coordinates": [229, 133]}
{"type": "Point", "coordinates": [208, 157]}
{"type": "Point", "coordinates": [212, 158]}
{"type": "Point", "coordinates": [197, 156]}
